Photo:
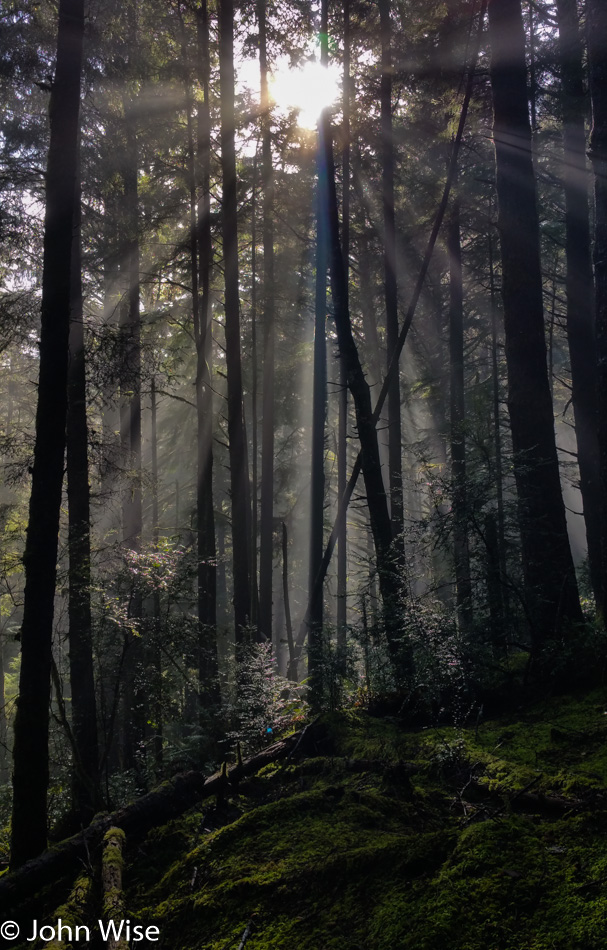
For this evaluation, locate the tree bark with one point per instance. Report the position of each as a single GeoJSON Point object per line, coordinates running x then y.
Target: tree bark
{"type": "Point", "coordinates": [4, 753]}
{"type": "Point", "coordinates": [494, 583]}
{"type": "Point", "coordinates": [533, 86]}
{"type": "Point", "coordinates": [254, 408]}
{"type": "Point", "coordinates": [86, 796]}
{"type": "Point", "coordinates": [367, 308]}
{"type": "Point", "coordinates": [342, 434]}
{"type": "Point", "coordinates": [461, 551]}
{"type": "Point", "coordinates": [155, 650]}
{"type": "Point", "coordinates": [31, 768]}
{"type": "Point", "coordinates": [112, 864]}
{"type": "Point", "coordinates": [501, 606]}
{"type": "Point", "coordinates": [205, 535]}
{"type": "Point", "coordinates": [395, 464]}
{"type": "Point", "coordinates": [596, 23]}
{"type": "Point", "coordinates": [285, 594]}
{"type": "Point", "coordinates": [319, 399]}
{"type": "Point", "coordinates": [550, 582]}
{"type": "Point", "coordinates": [580, 284]}
{"type": "Point", "coordinates": [134, 695]}
{"type": "Point", "coordinates": [236, 434]}
{"type": "Point", "coordinates": [266, 522]}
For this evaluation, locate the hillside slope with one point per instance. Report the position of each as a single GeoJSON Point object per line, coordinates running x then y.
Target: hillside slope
{"type": "Point", "coordinates": [383, 838]}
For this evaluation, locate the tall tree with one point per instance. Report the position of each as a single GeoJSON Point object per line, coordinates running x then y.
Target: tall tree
{"type": "Point", "coordinates": [207, 553]}
{"type": "Point", "coordinates": [266, 523]}
{"type": "Point", "coordinates": [395, 464]}
{"type": "Point", "coordinates": [579, 281]}
{"type": "Point", "coordinates": [31, 759]}
{"type": "Point", "coordinates": [130, 404]}
{"type": "Point", "coordinates": [254, 407]}
{"type": "Point", "coordinates": [500, 602]}
{"type": "Point", "coordinates": [596, 23]}
{"type": "Point", "coordinates": [236, 433]}
{"type": "Point", "coordinates": [194, 235]}
{"type": "Point", "coordinates": [550, 582]}
{"type": "Point", "coordinates": [342, 435]}
{"type": "Point", "coordinates": [319, 395]}
{"type": "Point", "coordinates": [85, 781]}
{"type": "Point", "coordinates": [155, 650]}
{"type": "Point", "coordinates": [463, 586]}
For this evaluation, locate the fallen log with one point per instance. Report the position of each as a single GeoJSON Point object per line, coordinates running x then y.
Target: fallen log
{"type": "Point", "coordinates": [549, 804]}
{"type": "Point", "coordinates": [73, 912]}
{"type": "Point", "coordinates": [111, 877]}
{"type": "Point", "coordinates": [170, 800]}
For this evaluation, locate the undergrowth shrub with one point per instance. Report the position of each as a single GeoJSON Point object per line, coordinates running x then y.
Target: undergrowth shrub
{"type": "Point", "coordinates": [258, 703]}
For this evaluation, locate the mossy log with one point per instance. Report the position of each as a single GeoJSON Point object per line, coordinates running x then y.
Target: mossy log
{"type": "Point", "coordinates": [541, 803]}
{"type": "Point", "coordinates": [168, 801]}
{"type": "Point", "coordinates": [73, 912]}
{"type": "Point", "coordinates": [112, 864]}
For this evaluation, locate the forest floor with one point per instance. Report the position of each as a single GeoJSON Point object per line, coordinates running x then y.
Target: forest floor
{"type": "Point", "coordinates": [388, 838]}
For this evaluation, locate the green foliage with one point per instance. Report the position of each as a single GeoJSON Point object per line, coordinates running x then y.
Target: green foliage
{"type": "Point", "coordinates": [260, 703]}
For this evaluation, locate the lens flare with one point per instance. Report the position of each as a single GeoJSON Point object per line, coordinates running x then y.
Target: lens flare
{"type": "Point", "coordinates": [309, 89]}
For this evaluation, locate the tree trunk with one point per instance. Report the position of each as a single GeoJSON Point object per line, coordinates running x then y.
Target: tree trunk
{"type": "Point", "coordinates": [502, 607]}
{"type": "Point", "coordinates": [85, 779]}
{"type": "Point", "coordinates": [236, 435]}
{"type": "Point", "coordinates": [319, 399]}
{"type": "Point", "coordinates": [155, 649]}
{"type": "Point", "coordinates": [388, 565]}
{"type": "Point", "coordinates": [251, 539]}
{"type": "Point", "coordinates": [463, 584]}
{"type": "Point", "coordinates": [207, 551]}
{"type": "Point", "coordinates": [286, 599]}
{"type": "Point", "coordinates": [4, 754]}
{"type": "Point", "coordinates": [494, 584]}
{"type": "Point", "coordinates": [342, 434]}
{"type": "Point", "coordinates": [367, 308]}
{"type": "Point", "coordinates": [550, 582]}
{"type": "Point", "coordinates": [110, 420]}
{"type": "Point", "coordinates": [596, 22]}
{"type": "Point", "coordinates": [395, 464]}
{"type": "Point", "coordinates": [134, 695]}
{"type": "Point", "coordinates": [266, 523]}
{"type": "Point", "coordinates": [31, 768]}
{"type": "Point", "coordinates": [532, 72]}
{"type": "Point", "coordinates": [254, 409]}
{"type": "Point", "coordinates": [580, 287]}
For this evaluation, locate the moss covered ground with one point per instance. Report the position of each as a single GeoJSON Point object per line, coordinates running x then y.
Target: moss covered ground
{"type": "Point", "coordinates": [393, 838]}
{"type": "Point", "coordinates": [489, 837]}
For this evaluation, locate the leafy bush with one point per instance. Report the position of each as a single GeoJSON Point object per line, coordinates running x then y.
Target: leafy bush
{"type": "Point", "coordinates": [264, 702]}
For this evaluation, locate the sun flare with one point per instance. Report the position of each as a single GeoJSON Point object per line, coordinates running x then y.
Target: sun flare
{"type": "Point", "coordinates": [309, 89]}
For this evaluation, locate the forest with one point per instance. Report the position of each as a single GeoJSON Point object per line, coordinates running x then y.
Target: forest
{"type": "Point", "coordinates": [303, 474]}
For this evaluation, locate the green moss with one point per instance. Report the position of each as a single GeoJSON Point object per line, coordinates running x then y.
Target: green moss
{"type": "Point", "coordinates": [113, 844]}
{"type": "Point", "coordinates": [75, 912]}
{"type": "Point", "coordinates": [330, 853]}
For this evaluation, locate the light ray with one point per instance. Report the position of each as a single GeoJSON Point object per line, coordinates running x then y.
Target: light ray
{"type": "Point", "coordinates": [309, 89]}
